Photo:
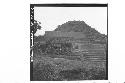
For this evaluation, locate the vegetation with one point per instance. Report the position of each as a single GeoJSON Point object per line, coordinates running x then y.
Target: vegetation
{"type": "Point", "coordinates": [35, 26]}
{"type": "Point", "coordinates": [47, 68]}
{"type": "Point", "coordinates": [81, 26]}
{"type": "Point", "coordinates": [49, 71]}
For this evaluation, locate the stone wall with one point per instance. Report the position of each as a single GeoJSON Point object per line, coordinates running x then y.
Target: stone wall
{"type": "Point", "coordinates": [75, 35]}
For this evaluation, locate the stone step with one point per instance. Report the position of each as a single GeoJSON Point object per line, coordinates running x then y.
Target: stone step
{"type": "Point", "coordinates": [96, 53]}
{"type": "Point", "coordinates": [93, 51]}
{"type": "Point", "coordinates": [96, 60]}
{"type": "Point", "coordinates": [95, 56]}
{"type": "Point", "coordinates": [89, 51]}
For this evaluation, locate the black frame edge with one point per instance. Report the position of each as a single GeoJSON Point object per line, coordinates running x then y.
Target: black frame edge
{"type": "Point", "coordinates": [64, 5]}
{"type": "Point", "coordinates": [31, 38]}
{"type": "Point", "coordinates": [71, 5]}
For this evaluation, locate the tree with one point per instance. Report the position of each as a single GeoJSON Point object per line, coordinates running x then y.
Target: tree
{"type": "Point", "coordinates": [35, 26]}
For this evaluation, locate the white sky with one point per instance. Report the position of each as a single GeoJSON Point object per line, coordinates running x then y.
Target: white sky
{"type": "Point", "coordinates": [51, 17]}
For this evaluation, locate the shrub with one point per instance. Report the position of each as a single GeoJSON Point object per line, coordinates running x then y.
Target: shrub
{"type": "Point", "coordinates": [43, 72]}
{"type": "Point", "coordinates": [84, 74]}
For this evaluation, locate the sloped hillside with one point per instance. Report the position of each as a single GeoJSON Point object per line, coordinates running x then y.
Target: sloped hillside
{"type": "Point", "coordinates": [76, 26]}
{"type": "Point", "coordinates": [81, 26]}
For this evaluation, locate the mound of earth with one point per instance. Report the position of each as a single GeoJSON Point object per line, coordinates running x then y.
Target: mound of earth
{"type": "Point", "coordinates": [81, 26]}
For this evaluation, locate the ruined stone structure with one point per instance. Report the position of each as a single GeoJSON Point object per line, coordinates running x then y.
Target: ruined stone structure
{"type": "Point", "coordinates": [74, 44]}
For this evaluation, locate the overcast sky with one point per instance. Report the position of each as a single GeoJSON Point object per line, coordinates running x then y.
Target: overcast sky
{"type": "Point", "coordinates": [51, 17]}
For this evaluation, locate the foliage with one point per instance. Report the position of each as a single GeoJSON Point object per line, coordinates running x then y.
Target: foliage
{"type": "Point", "coordinates": [46, 69]}
{"type": "Point", "coordinates": [45, 72]}
{"type": "Point", "coordinates": [81, 26]}
{"type": "Point", "coordinates": [35, 26]}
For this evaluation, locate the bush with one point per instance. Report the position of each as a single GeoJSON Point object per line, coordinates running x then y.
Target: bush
{"type": "Point", "coordinates": [84, 74]}
{"type": "Point", "coordinates": [43, 72]}
{"type": "Point", "coordinates": [94, 74]}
